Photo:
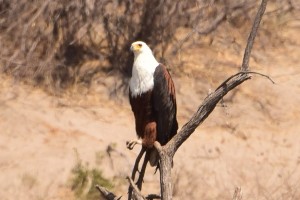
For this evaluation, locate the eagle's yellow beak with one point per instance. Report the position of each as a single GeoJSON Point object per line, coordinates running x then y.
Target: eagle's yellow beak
{"type": "Point", "coordinates": [135, 47]}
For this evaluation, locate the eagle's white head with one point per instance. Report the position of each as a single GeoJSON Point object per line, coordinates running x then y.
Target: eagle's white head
{"type": "Point", "coordinates": [143, 68]}
{"type": "Point", "coordinates": [142, 51]}
{"type": "Point", "coordinates": [139, 47]}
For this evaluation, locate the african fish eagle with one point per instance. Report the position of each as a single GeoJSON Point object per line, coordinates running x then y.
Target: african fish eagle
{"type": "Point", "coordinates": [152, 98]}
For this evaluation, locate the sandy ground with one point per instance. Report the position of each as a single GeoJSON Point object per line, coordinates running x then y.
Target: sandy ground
{"type": "Point", "coordinates": [251, 141]}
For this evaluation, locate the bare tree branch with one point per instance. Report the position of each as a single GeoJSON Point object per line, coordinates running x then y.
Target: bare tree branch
{"type": "Point", "coordinates": [167, 152]}
{"type": "Point", "coordinates": [107, 194]}
{"type": "Point", "coordinates": [136, 192]}
{"type": "Point", "coordinates": [211, 101]}
{"type": "Point", "coordinates": [165, 165]}
{"type": "Point", "coordinates": [258, 17]}
{"type": "Point", "coordinates": [246, 72]}
{"type": "Point", "coordinates": [135, 169]}
{"type": "Point", "coordinates": [237, 194]}
{"type": "Point", "coordinates": [203, 112]}
{"type": "Point", "coordinates": [143, 170]}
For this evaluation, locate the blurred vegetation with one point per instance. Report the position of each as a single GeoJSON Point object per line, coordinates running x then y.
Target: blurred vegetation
{"type": "Point", "coordinates": [59, 43]}
{"type": "Point", "coordinates": [84, 180]}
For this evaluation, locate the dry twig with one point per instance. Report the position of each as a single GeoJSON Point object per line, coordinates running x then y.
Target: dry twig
{"type": "Point", "coordinates": [135, 169]}
{"type": "Point", "coordinates": [237, 194]}
{"type": "Point", "coordinates": [136, 192]}
{"type": "Point", "coordinates": [107, 194]}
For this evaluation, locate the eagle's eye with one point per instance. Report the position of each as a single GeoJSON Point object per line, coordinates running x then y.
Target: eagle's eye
{"type": "Point", "coordinates": [140, 45]}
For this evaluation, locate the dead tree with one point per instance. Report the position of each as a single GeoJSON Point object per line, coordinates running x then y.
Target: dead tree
{"type": "Point", "coordinates": [167, 152]}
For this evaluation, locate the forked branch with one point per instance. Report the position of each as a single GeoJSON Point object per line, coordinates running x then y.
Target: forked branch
{"type": "Point", "coordinates": [211, 100]}
{"type": "Point", "coordinates": [168, 151]}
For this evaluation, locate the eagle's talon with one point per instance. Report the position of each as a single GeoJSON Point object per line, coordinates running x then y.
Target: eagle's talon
{"type": "Point", "coordinates": [130, 144]}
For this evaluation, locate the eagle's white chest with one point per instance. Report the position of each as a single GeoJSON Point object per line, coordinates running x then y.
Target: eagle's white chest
{"type": "Point", "coordinates": [142, 74]}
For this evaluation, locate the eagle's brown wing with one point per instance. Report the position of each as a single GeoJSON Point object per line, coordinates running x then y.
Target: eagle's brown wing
{"type": "Point", "coordinates": [164, 104]}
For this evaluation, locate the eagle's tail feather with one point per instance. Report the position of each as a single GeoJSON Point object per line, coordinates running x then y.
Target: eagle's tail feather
{"type": "Point", "coordinates": [153, 157]}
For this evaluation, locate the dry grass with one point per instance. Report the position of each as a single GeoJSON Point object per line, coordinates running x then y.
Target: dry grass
{"type": "Point", "coordinates": [62, 43]}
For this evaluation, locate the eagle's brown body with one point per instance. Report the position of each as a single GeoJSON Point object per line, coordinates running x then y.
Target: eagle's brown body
{"type": "Point", "coordinates": [152, 98]}
{"type": "Point", "coordinates": [155, 110]}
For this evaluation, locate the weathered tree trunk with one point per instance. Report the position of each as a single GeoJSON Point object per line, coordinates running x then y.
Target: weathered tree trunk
{"type": "Point", "coordinates": [166, 175]}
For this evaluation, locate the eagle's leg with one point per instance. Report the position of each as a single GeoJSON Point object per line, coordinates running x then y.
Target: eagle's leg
{"type": "Point", "coordinates": [143, 169]}
{"type": "Point", "coordinates": [132, 143]}
{"type": "Point", "coordinates": [135, 169]}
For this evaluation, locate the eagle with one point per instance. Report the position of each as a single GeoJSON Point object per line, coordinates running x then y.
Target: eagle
{"type": "Point", "coordinates": [152, 99]}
